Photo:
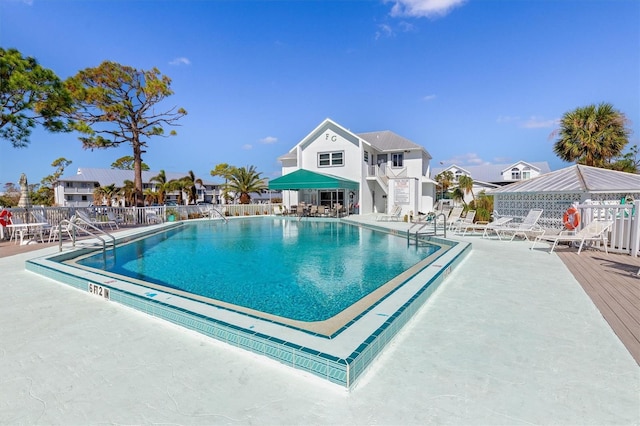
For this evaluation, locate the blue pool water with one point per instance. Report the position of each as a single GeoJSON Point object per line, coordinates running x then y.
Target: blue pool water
{"type": "Point", "coordinates": [301, 270]}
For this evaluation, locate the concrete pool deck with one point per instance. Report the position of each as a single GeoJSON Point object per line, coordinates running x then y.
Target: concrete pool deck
{"type": "Point", "coordinates": [509, 338]}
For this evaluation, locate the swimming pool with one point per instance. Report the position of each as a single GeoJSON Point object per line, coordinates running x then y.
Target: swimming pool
{"type": "Point", "coordinates": [297, 271]}
{"type": "Point", "coordinates": [337, 344]}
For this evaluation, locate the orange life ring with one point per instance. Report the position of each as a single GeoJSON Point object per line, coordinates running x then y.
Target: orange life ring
{"type": "Point", "coordinates": [571, 218]}
{"type": "Point", "coordinates": [5, 217]}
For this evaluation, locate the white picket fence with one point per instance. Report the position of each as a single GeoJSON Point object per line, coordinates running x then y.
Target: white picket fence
{"type": "Point", "coordinates": [624, 236]}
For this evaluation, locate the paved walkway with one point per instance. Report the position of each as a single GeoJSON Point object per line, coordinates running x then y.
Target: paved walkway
{"type": "Point", "coordinates": [510, 338]}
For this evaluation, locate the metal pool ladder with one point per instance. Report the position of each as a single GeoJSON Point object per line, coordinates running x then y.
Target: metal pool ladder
{"type": "Point", "coordinates": [82, 225]}
{"type": "Point", "coordinates": [417, 233]}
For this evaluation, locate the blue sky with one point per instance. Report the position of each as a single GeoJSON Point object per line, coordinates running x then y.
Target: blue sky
{"type": "Point", "coordinates": [474, 82]}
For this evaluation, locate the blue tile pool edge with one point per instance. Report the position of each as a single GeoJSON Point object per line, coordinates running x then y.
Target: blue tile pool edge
{"type": "Point", "coordinates": [344, 372]}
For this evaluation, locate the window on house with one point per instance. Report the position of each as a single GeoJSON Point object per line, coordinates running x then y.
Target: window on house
{"type": "Point", "coordinates": [366, 156]}
{"type": "Point", "coordinates": [329, 159]}
{"type": "Point", "coordinates": [515, 173]}
{"type": "Point", "coordinates": [397, 159]}
{"type": "Point", "coordinates": [68, 184]}
{"type": "Point", "coordinates": [457, 175]}
{"type": "Point", "coordinates": [84, 198]}
{"type": "Point", "coordinates": [526, 173]}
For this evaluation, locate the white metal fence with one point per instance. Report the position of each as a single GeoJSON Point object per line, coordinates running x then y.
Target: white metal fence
{"type": "Point", "coordinates": [624, 236]}
{"type": "Point", "coordinates": [135, 216]}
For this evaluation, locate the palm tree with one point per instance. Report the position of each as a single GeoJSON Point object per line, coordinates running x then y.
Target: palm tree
{"type": "Point", "coordinates": [466, 184]}
{"type": "Point", "coordinates": [105, 193]}
{"type": "Point", "coordinates": [128, 192]}
{"type": "Point", "coordinates": [190, 185]}
{"type": "Point", "coordinates": [458, 195]}
{"type": "Point", "coordinates": [445, 180]}
{"type": "Point", "coordinates": [179, 185]}
{"type": "Point", "coordinates": [162, 186]}
{"type": "Point", "coordinates": [243, 181]}
{"type": "Point", "coordinates": [150, 196]}
{"type": "Point", "coordinates": [591, 135]}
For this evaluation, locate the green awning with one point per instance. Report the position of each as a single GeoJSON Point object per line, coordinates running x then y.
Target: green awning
{"type": "Point", "coordinates": [305, 179]}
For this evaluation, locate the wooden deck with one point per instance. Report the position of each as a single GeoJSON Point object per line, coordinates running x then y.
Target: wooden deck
{"type": "Point", "coordinates": [611, 281]}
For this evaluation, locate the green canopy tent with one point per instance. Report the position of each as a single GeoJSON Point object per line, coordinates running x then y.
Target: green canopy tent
{"type": "Point", "coordinates": [305, 179]}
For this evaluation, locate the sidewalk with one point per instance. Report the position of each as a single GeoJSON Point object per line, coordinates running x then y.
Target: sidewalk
{"type": "Point", "coordinates": [509, 338]}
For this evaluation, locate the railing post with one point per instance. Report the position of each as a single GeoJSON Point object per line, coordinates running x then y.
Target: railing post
{"type": "Point", "coordinates": [634, 237]}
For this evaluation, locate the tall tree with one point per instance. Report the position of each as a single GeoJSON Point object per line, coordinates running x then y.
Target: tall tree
{"type": "Point", "coordinates": [225, 171]}
{"type": "Point", "coordinates": [243, 181]}
{"type": "Point", "coordinates": [116, 104]}
{"type": "Point", "coordinates": [591, 135]}
{"type": "Point", "coordinates": [127, 163]}
{"type": "Point", "coordinates": [30, 95]}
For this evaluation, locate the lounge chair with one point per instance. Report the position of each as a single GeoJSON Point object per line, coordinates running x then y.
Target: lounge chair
{"type": "Point", "coordinates": [394, 215]}
{"type": "Point", "coordinates": [596, 231]}
{"type": "Point", "coordinates": [465, 222]}
{"type": "Point", "coordinates": [152, 217]}
{"type": "Point", "coordinates": [490, 227]}
{"type": "Point", "coordinates": [322, 210]}
{"type": "Point", "coordinates": [117, 219]}
{"type": "Point", "coordinates": [454, 217]}
{"type": "Point", "coordinates": [529, 225]}
{"type": "Point", "coordinates": [87, 220]}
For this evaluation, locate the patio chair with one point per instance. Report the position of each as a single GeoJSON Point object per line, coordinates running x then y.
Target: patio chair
{"type": "Point", "coordinates": [152, 217]}
{"type": "Point", "coordinates": [117, 219]}
{"type": "Point", "coordinates": [65, 226]}
{"type": "Point", "coordinates": [322, 210]}
{"type": "Point", "coordinates": [454, 217]}
{"type": "Point", "coordinates": [84, 217]}
{"type": "Point", "coordinates": [529, 225]}
{"type": "Point", "coordinates": [596, 231]}
{"type": "Point", "coordinates": [465, 222]}
{"type": "Point", "coordinates": [499, 223]}
{"type": "Point", "coordinates": [394, 215]}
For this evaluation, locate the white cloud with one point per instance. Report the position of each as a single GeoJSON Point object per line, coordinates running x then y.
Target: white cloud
{"type": "Point", "coordinates": [384, 30]}
{"type": "Point", "coordinates": [424, 8]}
{"type": "Point", "coordinates": [247, 147]}
{"type": "Point", "coordinates": [507, 119]}
{"type": "Point", "coordinates": [539, 123]}
{"type": "Point", "coordinates": [532, 122]}
{"type": "Point", "coordinates": [428, 98]}
{"type": "Point", "coordinates": [180, 61]}
{"type": "Point", "coordinates": [470, 159]}
{"type": "Point", "coordinates": [269, 140]}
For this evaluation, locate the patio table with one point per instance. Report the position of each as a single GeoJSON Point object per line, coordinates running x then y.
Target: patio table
{"type": "Point", "coordinates": [26, 228]}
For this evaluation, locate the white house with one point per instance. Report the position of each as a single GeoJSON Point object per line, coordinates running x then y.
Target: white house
{"type": "Point", "coordinates": [76, 190]}
{"type": "Point", "coordinates": [364, 172]}
{"type": "Point", "coordinates": [490, 176]}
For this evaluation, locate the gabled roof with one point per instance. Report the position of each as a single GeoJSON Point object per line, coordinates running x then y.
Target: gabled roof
{"type": "Point", "coordinates": [388, 141]}
{"type": "Point", "coordinates": [306, 179]}
{"type": "Point", "coordinates": [113, 176]}
{"type": "Point", "coordinates": [384, 141]}
{"type": "Point", "coordinates": [493, 172]}
{"type": "Point", "coordinates": [531, 165]}
{"type": "Point", "coordinates": [577, 178]}
{"type": "Point", "coordinates": [455, 166]}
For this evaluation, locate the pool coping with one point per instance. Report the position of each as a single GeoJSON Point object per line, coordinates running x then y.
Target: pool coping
{"type": "Point", "coordinates": [341, 360]}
